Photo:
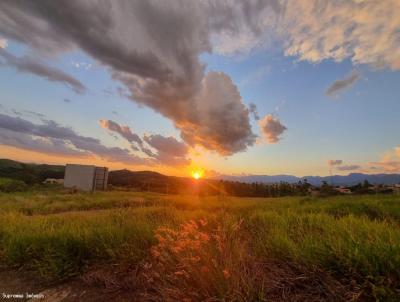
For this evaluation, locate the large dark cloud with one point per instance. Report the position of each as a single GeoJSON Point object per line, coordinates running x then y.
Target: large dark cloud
{"type": "Point", "coordinates": [50, 137]}
{"type": "Point", "coordinates": [342, 84]}
{"type": "Point", "coordinates": [153, 47]}
{"type": "Point", "coordinates": [31, 65]}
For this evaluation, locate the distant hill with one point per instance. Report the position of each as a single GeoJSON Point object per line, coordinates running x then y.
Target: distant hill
{"type": "Point", "coordinates": [29, 173]}
{"type": "Point", "coordinates": [348, 180]}
{"type": "Point", "coordinates": [127, 177]}
{"type": "Point", "coordinates": [34, 173]}
{"type": "Point", "coordinates": [155, 182]}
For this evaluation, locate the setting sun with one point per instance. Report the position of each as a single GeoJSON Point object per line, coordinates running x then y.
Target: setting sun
{"type": "Point", "coordinates": [197, 174]}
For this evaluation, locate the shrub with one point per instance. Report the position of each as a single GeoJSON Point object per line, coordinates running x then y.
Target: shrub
{"type": "Point", "coordinates": [11, 185]}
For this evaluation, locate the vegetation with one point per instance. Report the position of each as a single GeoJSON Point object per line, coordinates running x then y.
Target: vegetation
{"type": "Point", "coordinates": [29, 173]}
{"type": "Point", "coordinates": [218, 247]}
{"type": "Point", "coordinates": [11, 185]}
{"type": "Point", "coordinates": [147, 181]}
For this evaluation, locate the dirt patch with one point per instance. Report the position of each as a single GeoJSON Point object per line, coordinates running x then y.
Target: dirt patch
{"type": "Point", "coordinates": [284, 282]}
{"type": "Point", "coordinates": [292, 282]}
{"type": "Point", "coordinates": [17, 283]}
{"type": "Point", "coordinates": [25, 286]}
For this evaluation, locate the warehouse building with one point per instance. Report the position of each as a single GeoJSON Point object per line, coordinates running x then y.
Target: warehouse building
{"type": "Point", "coordinates": [86, 177]}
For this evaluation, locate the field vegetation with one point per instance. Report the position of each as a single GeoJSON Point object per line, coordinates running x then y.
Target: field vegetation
{"type": "Point", "coordinates": [191, 248]}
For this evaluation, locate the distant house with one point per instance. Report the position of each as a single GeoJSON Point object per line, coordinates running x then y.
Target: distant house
{"type": "Point", "coordinates": [86, 177]}
{"type": "Point", "coordinates": [53, 181]}
{"type": "Point", "coordinates": [393, 188]}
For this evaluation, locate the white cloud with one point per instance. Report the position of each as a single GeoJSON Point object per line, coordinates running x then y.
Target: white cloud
{"type": "Point", "coordinates": [389, 161]}
{"type": "Point", "coordinates": [367, 32]}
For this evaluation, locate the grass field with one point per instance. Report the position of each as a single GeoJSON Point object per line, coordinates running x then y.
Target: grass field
{"type": "Point", "coordinates": [216, 248]}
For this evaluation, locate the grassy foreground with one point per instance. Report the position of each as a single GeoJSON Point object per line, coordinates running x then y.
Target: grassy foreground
{"type": "Point", "coordinates": [220, 248]}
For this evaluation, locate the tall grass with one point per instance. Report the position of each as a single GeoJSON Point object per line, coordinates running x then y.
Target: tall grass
{"type": "Point", "coordinates": [62, 245]}
{"type": "Point", "coordinates": [203, 248]}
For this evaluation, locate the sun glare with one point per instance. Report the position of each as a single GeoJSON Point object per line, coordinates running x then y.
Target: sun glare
{"type": "Point", "coordinates": [197, 174]}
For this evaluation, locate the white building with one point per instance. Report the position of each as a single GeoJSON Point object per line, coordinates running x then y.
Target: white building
{"type": "Point", "coordinates": [85, 177]}
{"type": "Point", "coordinates": [53, 181]}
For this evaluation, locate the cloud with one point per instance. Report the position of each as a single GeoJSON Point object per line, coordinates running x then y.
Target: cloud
{"type": "Point", "coordinates": [389, 161]}
{"type": "Point", "coordinates": [338, 164]}
{"type": "Point", "coordinates": [124, 131]}
{"type": "Point", "coordinates": [153, 47]}
{"type": "Point", "coordinates": [168, 145]}
{"type": "Point", "coordinates": [364, 31]}
{"type": "Point", "coordinates": [53, 138]}
{"type": "Point", "coordinates": [348, 168]}
{"type": "Point", "coordinates": [253, 111]}
{"type": "Point", "coordinates": [67, 101]}
{"type": "Point", "coordinates": [3, 43]}
{"type": "Point", "coordinates": [335, 162]}
{"type": "Point", "coordinates": [342, 84]}
{"type": "Point", "coordinates": [386, 166]}
{"type": "Point", "coordinates": [169, 150]}
{"type": "Point", "coordinates": [217, 119]}
{"type": "Point", "coordinates": [271, 128]}
{"type": "Point", "coordinates": [38, 144]}
{"type": "Point", "coordinates": [33, 66]}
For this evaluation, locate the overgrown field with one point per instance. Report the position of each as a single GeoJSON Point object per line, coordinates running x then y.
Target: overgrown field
{"type": "Point", "coordinates": [218, 248]}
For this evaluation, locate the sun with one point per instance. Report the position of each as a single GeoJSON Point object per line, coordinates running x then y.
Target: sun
{"type": "Point", "coordinates": [197, 174]}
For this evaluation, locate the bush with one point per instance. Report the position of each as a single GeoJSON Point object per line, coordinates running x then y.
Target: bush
{"type": "Point", "coordinates": [11, 185]}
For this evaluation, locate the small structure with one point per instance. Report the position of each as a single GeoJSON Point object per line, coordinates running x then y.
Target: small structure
{"type": "Point", "coordinates": [393, 188]}
{"type": "Point", "coordinates": [53, 181]}
{"type": "Point", "coordinates": [343, 190]}
{"type": "Point", "coordinates": [86, 177]}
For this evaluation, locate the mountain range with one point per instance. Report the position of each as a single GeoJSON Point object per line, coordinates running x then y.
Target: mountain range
{"type": "Point", "coordinates": [345, 180]}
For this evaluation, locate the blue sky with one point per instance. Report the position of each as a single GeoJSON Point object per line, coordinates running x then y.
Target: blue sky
{"type": "Point", "coordinates": [359, 124]}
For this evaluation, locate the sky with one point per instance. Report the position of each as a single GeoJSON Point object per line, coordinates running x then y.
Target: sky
{"type": "Point", "coordinates": [299, 87]}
